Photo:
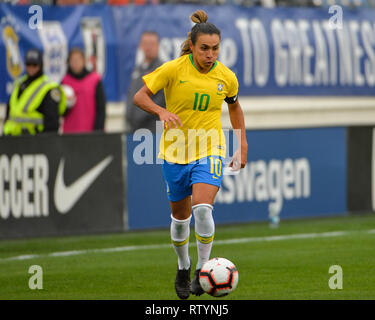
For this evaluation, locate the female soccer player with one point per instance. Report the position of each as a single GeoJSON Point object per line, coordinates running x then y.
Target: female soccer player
{"type": "Point", "coordinates": [192, 143]}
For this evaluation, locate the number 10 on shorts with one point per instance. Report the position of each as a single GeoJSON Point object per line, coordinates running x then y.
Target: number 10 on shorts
{"type": "Point", "coordinates": [215, 166]}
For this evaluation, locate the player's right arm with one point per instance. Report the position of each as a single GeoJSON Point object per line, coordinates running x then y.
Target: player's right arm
{"type": "Point", "coordinates": [143, 100]}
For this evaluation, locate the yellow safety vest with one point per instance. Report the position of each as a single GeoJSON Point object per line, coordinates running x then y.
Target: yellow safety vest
{"type": "Point", "coordinates": [23, 114]}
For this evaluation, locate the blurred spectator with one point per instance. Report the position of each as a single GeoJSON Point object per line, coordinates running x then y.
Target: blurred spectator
{"type": "Point", "coordinates": [71, 2]}
{"type": "Point", "coordinates": [19, 2]}
{"type": "Point", "coordinates": [51, 2]}
{"type": "Point", "coordinates": [88, 112]}
{"type": "Point", "coordinates": [136, 2]}
{"type": "Point", "coordinates": [36, 102]}
{"type": "Point", "coordinates": [137, 118]}
{"type": "Point", "coordinates": [118, 2]}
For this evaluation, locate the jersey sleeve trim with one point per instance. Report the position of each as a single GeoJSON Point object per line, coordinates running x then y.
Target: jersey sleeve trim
{"type": "Point", "coordinates": [144, 81]}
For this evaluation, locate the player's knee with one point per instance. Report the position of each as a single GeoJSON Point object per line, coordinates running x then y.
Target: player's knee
{"type": "Point", "coordinates": [180, 229]}
{"type": "Point", "coordinates": [204, 222]}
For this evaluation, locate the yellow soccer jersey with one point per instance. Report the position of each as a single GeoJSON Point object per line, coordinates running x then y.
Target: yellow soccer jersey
{"type": "Point", "coordinates": [197, 99]}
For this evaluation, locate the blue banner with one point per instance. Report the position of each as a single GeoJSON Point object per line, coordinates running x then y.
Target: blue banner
{"type": "Point", "coordinates": [280, 51]}
{"type": "Point", "coordinates": [291, 173]}
{"type": "Point", "coordinates": [55, 30]}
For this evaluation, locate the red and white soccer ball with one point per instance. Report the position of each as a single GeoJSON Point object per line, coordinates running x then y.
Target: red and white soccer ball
{"type": "Point", "coordinates": [218, 277]}
{"type": "Point", "coordinates": [71, 98]}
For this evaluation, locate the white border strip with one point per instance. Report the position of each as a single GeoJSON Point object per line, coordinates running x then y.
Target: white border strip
{"type": "Point", "coordinates": [163, 246]}
{"type": "Point", "coordinates": [373, 169]}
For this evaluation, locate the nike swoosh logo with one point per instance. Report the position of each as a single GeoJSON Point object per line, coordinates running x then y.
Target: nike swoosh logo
{"type": "Point", "coordinates": [67, 196]}
{"type": "Point", "coordinates": [183, 81]}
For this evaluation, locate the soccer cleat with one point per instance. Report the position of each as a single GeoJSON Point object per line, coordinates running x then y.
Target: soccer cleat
{"type": "Point", "coordinates": [196, 287]}
{"type": "Point", "coordinates": [182, 283]}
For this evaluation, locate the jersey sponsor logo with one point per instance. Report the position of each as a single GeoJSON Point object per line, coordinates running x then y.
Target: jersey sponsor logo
{"type": "Point", "coordinates": [184, 81]}
{"type": "Point", "coordinates": [67, 196]}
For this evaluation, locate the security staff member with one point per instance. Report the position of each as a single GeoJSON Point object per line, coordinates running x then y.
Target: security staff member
{"type": "Point", "coordinates": [36, 102]}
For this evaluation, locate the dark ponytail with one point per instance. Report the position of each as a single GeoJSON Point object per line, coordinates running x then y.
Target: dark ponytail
{"type": "Point", "coordinates": [200, 18]}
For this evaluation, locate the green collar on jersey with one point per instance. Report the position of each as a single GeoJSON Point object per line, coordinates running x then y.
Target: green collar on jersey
{"type": "Point", "coordinates": [192, 61]}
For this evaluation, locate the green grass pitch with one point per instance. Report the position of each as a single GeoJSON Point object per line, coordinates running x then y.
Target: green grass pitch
{"type": "Point", "coordinates": [290, 262]}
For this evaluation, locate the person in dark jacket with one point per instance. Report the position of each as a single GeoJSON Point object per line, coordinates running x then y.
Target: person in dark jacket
{"type": "Point", "coordinates": [36, 102]}
{"type": "Point", "coordinates": [88, 113]}
{"type": "Point", "coordinates": [135, 117]}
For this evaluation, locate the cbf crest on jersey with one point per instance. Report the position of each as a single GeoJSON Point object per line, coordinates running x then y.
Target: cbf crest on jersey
{"type": "Point", "coordinates": [220, 87]}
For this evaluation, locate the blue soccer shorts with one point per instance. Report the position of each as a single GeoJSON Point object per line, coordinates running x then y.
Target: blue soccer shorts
{"type": "Point", "coordinates": [180, 178]}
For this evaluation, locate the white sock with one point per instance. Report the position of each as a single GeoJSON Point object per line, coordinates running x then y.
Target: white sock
{"type": "Point", "coordinates": [204, 231]}
{"type": "Point", "coordinates": [180, 232]}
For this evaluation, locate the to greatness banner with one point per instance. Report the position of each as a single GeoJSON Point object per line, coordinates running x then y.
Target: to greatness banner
{"type": "Point", "coordinates": [280, 51]}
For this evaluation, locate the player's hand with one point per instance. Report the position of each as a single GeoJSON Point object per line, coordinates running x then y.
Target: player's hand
{"type": "Point", "coordinates": [169, 119]}
{"type": "Point", "coordinates": [239, 159]}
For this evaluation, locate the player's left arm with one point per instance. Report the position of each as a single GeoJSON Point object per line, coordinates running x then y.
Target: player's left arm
{"type": "Point", "coordinates": [238, 123]}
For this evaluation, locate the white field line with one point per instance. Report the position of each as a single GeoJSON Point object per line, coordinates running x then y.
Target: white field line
{"type": "Point", "coordinates": [167, 245]}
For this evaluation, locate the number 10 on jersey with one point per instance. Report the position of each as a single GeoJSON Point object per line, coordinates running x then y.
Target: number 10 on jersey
{"type": "Point", "coordinates": [201, 101]}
